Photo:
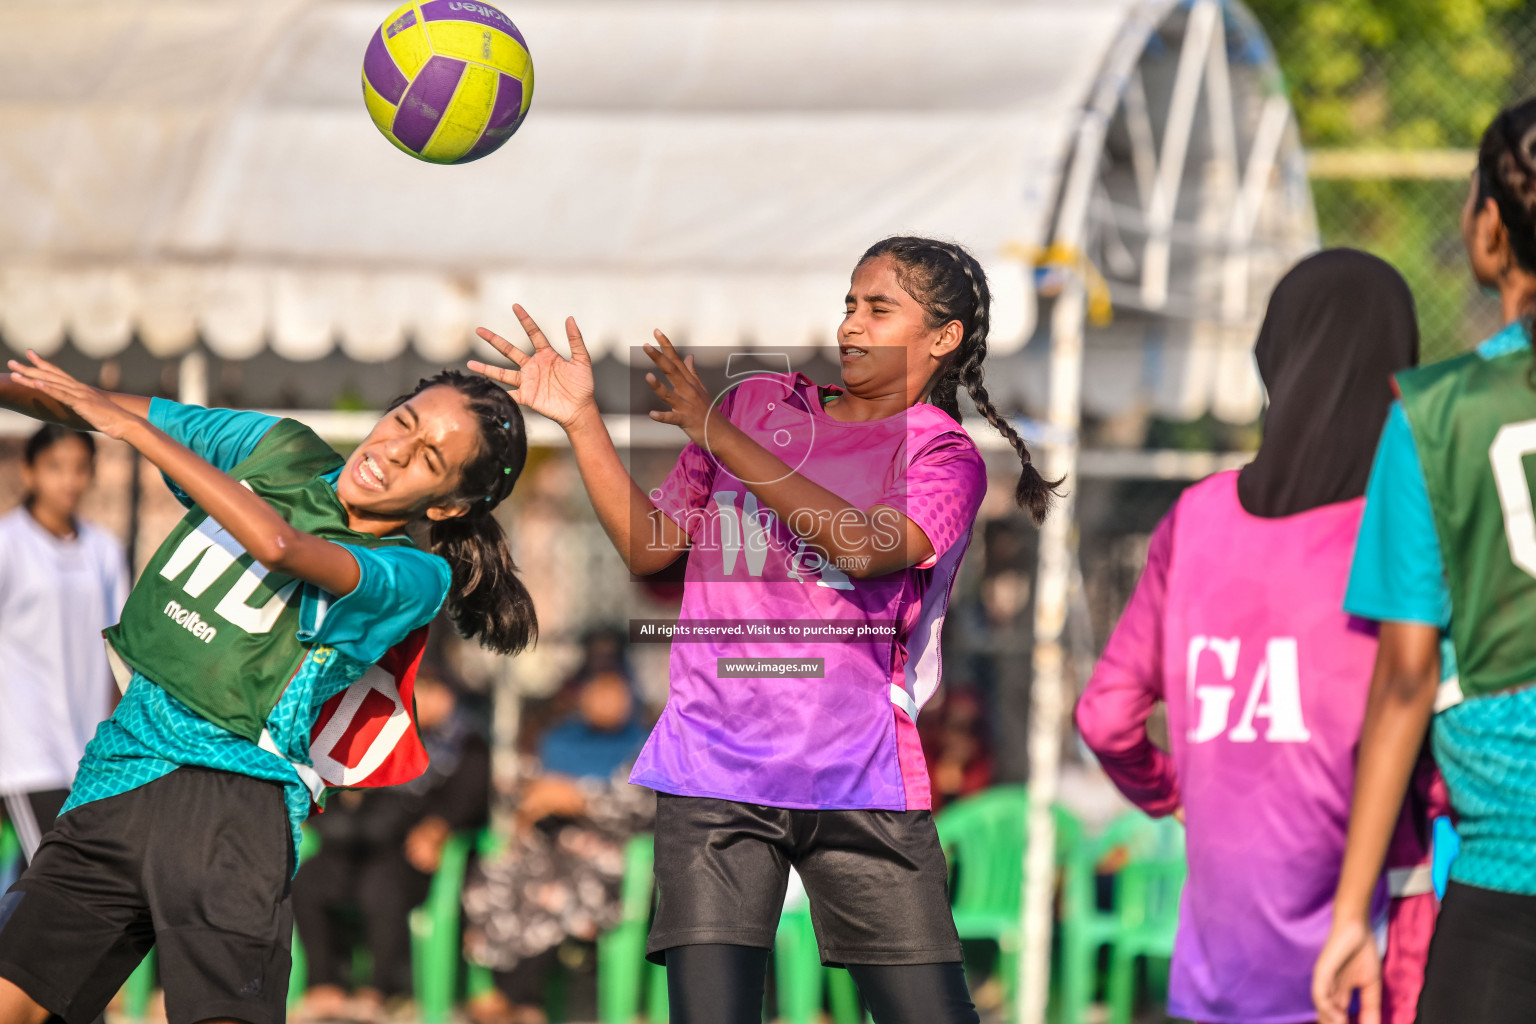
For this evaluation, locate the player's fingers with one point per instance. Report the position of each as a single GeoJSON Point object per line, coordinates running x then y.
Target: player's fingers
{"type": "Point", "coordinates": [577, 342]}
{"type": "Point", "coordinates": [499, 374]}
{"type": "Point", "coordinates": [674, 418]}
{"type": "Point", "coordinates": [667, 363]}
{"type": "Point", "coordinates": [1370, 1002]}
{"type": "Point", "coordinates": [1324, 978]}
{"type": "Point", "coordinates": [44, 364]}
{"type": "Point", "coordinates": [663, 392]}
{"type": "Point", "coordinates": [47, 387]}
{"type": "Point", "coordinates": [502, 345]}
{"type": "Point", "coordinates": [535, 335]}
{"type": "Point", "coordinates": [35, 372]}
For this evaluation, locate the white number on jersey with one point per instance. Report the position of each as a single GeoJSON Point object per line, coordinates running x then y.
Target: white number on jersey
{"type": "Point", "coordinates": [1511, 445]}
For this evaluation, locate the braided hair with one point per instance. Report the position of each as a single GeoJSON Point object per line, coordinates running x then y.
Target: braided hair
{"type": "Point", "coordinates": [948, 282]}
{"type": "Point", "coordinates": [486, 600]}
{"type": "Point", "coordinates": [1506, 173]}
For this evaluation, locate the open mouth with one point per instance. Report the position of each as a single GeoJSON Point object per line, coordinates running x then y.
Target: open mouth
{"type": "Point", "coordinates": [369, 473]}
{"type": "Point", "coordinates": [849, 353]}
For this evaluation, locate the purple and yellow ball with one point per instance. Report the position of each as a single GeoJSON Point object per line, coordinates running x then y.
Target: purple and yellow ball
{"type": "Point", "coordinates": [448, 81]}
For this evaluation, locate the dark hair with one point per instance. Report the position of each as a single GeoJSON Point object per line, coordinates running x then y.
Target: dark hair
{"type": "Point", "coordinates": [51, 434]}
{"type": "Point", "coordinates": [1506, 173]}
{"type": "Point", "coordinates": [949, 284]}
{"type": "Point", "coordinates": [486, 600]}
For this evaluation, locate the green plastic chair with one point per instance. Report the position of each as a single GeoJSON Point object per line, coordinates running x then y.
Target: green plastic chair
{"type": "Point", "coordinates": [435, 949]}
{"type": "Point", "coordinates": [984, 838]}
{"type": "Point", "coordinates": [1147, 891]}
{"type": "Point", "coordinates": [621, 963]}
{"type": "Point", "coordinates": [10, 847]}
{"type": "Point", "coordinates": [1085, 929]}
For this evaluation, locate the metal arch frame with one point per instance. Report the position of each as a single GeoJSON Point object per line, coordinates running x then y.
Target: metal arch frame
{"type": "Point", "coordinates": [1202, 62]}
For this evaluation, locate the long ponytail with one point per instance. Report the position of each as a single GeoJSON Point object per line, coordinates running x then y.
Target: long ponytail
{"type": "Point", "coordinates": [486, 599]}
{"type": "Point", "coordinates": [949, 283]}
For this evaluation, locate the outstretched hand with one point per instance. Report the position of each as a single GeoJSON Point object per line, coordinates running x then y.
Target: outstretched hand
{"type": "Point", "coordinates": [688, 400]}
{"type": "Point", "coordinates": [92, 405]}
{"type": "Point", "coordinates": [544, 381]}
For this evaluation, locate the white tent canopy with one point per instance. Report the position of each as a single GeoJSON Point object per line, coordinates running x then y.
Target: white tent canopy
{"type": "Point", "coordinates": [184, 169]}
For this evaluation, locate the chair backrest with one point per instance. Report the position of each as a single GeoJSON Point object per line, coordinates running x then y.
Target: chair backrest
{"type": "Point", "coordinates": [984, 837]}
{"type": "Point", "coordinates": [639, 877]}
{"type": "Point", "coordinates": [1148, 886]}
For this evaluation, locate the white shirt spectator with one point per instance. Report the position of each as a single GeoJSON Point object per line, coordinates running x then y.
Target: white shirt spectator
{"type": "Point", "coordinates": [56, 596]}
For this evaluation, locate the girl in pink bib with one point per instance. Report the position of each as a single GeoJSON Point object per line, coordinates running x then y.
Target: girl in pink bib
{"type": "Point", "coordinates": [1238, 627]}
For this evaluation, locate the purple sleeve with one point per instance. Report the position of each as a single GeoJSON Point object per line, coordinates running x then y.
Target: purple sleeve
{"type": "Point", "coordinates": [941, 492]}
{"type": "Point", "coordinates": [1127, 683]}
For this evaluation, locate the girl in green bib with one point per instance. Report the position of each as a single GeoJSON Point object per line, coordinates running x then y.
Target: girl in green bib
{"type": "Point", "coordinates": [1446, 563]}
{"type": "Point", "coordinates": [289, 578]}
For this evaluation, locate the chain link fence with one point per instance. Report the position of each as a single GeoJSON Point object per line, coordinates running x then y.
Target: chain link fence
{"type": "Point", "coordinates": [1392, 99]}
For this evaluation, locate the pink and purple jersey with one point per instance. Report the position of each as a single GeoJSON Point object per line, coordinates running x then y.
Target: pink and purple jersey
{"type": "Point", "coordinates": [836, 731]}
{"type": "Point", "coordinates": [1238, 626]}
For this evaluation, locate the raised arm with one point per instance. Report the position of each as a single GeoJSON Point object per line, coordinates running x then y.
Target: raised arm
{"type": "Point", "coordinates": [862, 542]}
{"type": "Point", "coordinates": [562, 389]}
{"type": "Point", "coordinates": [257, 526]}
{"type": "Point", "coordinates": [34, 403]}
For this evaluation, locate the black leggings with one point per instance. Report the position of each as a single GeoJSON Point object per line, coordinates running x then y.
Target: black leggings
{"type": "Point", "coordinates": [721, 984]}
{"type": "Point", "coordinates": [1482, 960]}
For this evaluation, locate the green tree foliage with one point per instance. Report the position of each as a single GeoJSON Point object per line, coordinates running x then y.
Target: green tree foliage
{"type": "Point", "coordinates": [1403, 74]}
{"type": "Point", "coordinates": [1398, 73]}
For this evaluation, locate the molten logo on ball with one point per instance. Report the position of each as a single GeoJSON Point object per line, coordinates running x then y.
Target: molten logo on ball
{"type": "Point", "coordinates": [447, 81]}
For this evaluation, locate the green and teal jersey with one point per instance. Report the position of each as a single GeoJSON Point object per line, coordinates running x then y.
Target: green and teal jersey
{"type": "Point", "coordinates": [230, 665]}
{"type": "Point", "coordinates": [1439, 545]}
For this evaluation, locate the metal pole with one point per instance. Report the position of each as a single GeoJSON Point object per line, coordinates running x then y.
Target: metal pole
{"type": "Point", "coordinates": [1058, 537]}
{"type": "Point", "coordinates": [1048, 694]}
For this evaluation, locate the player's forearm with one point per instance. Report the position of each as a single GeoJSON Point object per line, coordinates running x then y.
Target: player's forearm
{"type": "Point", "coordinates": [32, 402]}
{"type": "Point", "coordinates": [1111, 717]}
{"type": "Point", "coordinates": [874, 541]}
{"type": "Point", "coordinates": [646, 539]}
{"type": "Point", "coordinates": [253, 523]}
{"type": "Point", "coordinates": [1397, 716]}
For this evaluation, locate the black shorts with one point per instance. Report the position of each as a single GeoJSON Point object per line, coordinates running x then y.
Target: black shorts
{"type": "Point", "coordinates": [1482, 960]}
{"type": "Point", "coordinates": [877, 880]}
{"type": "Point", "coordinates": [196, 863]}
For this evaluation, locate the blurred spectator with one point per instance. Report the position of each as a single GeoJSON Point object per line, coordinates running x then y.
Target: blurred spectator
{"type": "Point", "coordinates": [378, 850]}
{"type": "Point", "coordinates": [62, 581]}
{"type": "Point", "coordinates": [573, 813]}
{"type": "Point", "coordinates": [954, 738]}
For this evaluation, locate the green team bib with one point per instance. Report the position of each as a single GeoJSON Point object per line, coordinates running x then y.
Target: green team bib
{"type": "Point", "coordinates": [209, 624]}
{"type": "Point", "coordinates": [1469, 415]}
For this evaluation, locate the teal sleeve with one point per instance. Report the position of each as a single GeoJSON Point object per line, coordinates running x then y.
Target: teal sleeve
{"type": "Point", "coordinates": [398, 589]}
{"type": "Point", "coordinates": [224, 438]}
{"type": "Point", "coordinates": [1398, 573]}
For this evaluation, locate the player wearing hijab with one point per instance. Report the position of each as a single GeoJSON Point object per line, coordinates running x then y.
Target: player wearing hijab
{"type": "Point", "coordinates": [1237, 626]}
